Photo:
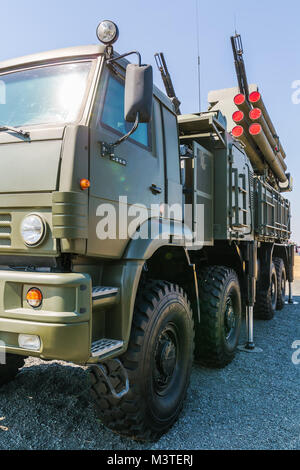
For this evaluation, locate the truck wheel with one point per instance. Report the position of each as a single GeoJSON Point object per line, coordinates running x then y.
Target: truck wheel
{"type": "Point", "coordinates": [266, 300]}
{"type": "Point", "coordinates": [9, 370]}
{"type": "Point", "coordinates": [158, 362]}
{"type": "Point", "coordinates": [218, 334]}
{"type": "Point", "coordinates": [281, 283]}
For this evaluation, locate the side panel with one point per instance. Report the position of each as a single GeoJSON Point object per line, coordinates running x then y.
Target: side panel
{"type": "Point", "coordinates": [173, 185]}
{"type": "Point", "coordinates": [198, 179]}
{"type": "Point", "coordinates": [233, 195]}
{"type": "Point", "coordinates": [273, 218]}
{"type": "Point", "coordinates": [203, 190]}
{"type": "Point", "coordinates": [142, 167]}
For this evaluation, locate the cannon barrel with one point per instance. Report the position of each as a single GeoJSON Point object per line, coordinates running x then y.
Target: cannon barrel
{"type": "Point", "coordinates": [261, 140]}
{"type": "Point", "coordinates": [239, 133]}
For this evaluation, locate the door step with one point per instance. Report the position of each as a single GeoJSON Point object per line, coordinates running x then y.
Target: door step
{"type": "Point", "coordinates": [104, 346]}
{"type": "Point", "coordinates": [104, 295]}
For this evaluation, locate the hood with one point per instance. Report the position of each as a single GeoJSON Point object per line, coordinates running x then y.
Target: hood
{"type": "Point", "coordinates": [30, 165]}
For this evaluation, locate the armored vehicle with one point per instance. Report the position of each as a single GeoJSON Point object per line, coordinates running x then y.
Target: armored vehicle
{"type": "Point", "coordinates": [132, 238]}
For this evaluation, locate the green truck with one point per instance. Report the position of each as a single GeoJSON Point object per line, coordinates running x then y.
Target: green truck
{"type": "Point", "coordinates": [132, 238]}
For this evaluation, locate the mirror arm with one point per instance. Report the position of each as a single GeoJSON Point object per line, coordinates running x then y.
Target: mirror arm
{"type": "Point", "coordinates": [115, 59]}
{"type": "Point", "coordinates": [109, 149]}
{"type": "Point", "coordinates": [126, 136]}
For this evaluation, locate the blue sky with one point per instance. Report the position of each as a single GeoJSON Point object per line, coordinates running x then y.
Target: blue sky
{"type": "Point", "coordinates": [270, 31]}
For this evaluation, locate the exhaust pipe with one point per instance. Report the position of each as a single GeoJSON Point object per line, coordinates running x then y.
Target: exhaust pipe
{"type": "Point", "coordinates": [261, 140]}
{"type": "Point", "coordinates": [239, 133]}
{"type": "Point", "coordinates": [256, 99]}
{"type": "Point", "coordinates": [256, 114]}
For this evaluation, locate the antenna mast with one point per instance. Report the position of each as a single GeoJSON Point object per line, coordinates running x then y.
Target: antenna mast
{"type": "Point", "coordinates": [198, 53]}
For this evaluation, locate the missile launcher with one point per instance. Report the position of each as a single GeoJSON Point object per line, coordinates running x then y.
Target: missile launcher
{"type": "Point", "coordinates": [250, 124]}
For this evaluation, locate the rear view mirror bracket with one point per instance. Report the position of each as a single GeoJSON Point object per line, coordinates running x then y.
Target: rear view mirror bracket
{"type": "Point", "coordinates": [138, 96]}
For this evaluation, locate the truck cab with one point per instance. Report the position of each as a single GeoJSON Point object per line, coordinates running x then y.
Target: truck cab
{"type": "Point", "coordinates": [59, 107]}
{"type": "Point", "coordinates": [128, 234]}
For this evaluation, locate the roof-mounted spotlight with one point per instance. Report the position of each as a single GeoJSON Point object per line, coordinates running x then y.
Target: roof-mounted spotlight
{"type": "Point", "coordinates": [107, 32]}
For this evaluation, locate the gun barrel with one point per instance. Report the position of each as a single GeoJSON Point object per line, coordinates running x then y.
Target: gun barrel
{"type": "Point", "coordinates": [239, 133]}
{"type": "Point", "coordinates": [256, 115]}
{"type": "Point", "coordinates": [261, 140]}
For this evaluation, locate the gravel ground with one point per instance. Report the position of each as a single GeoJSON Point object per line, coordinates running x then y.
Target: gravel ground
{"type": "Point", "coordinates": [252, 404]}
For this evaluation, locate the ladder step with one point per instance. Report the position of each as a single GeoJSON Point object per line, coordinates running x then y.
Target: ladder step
{"type": "Point", "coordinates": [104, 295]}
{"type": "Point", "coordinates": [102, 292]}
{"type": "Point", "coordinates": [104, 346]}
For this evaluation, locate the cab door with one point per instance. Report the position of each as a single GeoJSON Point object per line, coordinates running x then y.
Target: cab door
{"type": "Point", "coordinates": [133, 178]}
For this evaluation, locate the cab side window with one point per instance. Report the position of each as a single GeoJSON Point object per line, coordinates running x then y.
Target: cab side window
{"type": "Point", "coordinates": [113, 113]}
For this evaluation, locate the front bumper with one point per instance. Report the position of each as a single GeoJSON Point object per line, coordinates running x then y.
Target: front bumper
{"type": "Point", "coordinates": [63, 322]}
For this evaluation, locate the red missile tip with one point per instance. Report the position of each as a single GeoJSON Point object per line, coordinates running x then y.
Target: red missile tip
{"type": "Point", "coordinates": [239, 99]}
{"type": "Point", "coordinates": [254, 97]}
{"type": "Point", "coordinates": [238, 116]}
{"type": "Point", "coordinates": [237, 131]}
{"type": "Point", "coordinates": [255, 129]}
{"type": "Point", "coordinates": [255, 114]}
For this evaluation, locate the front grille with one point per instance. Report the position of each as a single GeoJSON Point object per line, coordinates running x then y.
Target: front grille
{"type": "Point", "coordinates": [5, 230]}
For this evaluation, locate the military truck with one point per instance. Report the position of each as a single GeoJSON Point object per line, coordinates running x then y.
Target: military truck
{"type": "Point", "coordinates": [86, 143]}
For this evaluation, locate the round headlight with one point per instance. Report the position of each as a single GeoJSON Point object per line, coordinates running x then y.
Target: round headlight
{"type": "Point", "coordinates": [107, 32]}
{"type": "Point", "coordinates": [33, 230]}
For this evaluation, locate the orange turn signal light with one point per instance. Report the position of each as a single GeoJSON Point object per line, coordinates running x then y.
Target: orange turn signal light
{"type": "Point", "coordinates": [34, 297]}
{"type": "Point", "coordinates": [85, 183]}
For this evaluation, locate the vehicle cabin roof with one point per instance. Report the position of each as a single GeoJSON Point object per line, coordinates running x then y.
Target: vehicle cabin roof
{"type": "Point", "coordinates": [69, 53]}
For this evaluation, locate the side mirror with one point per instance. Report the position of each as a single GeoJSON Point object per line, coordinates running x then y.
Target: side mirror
{"type": "Point", "coordinates": [138, 93]}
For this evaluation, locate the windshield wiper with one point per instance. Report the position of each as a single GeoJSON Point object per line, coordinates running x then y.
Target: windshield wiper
{"type": "Point", "coordinates": [14, 129]}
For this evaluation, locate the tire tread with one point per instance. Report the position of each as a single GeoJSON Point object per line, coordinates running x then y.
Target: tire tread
{"type": "Point", "coordinates": [209, 351]}
{"type": "Point", "coordinates": [279, 266]}
{"type": "Point", "coordinates": [127, 415]}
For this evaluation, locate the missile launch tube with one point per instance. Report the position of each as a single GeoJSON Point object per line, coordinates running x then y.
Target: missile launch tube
{"type": "Point", "coordinates": [257, 116]}
{"type": "Point", "coordinates": [242, 119]}
{"type": "Point", "coordinates": [239, 133]}
{"type": "Point", "coordinates": [256, 99]}
{"type": "Point", "coordinates": [261, 140]}
{"type": "Point", "coordinates": [241, 102]}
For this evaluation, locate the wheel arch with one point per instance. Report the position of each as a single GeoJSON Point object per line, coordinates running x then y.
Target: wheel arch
{"type": "Point", "coordinates": [282, 251]}
{"type": "Point", "coordinates": [173, 264]}
{"type": "Point", "coordinates": [229, 256]}
{"type": "Point", "coordinates": [163, 233]}
{"type": "Point", "coordinates": [151, 258]}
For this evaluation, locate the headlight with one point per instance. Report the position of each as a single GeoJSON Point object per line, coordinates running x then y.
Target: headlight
{"type": "Point", "coordinates": [107, 32]}
{"type": "Point", "coordinates": [33, 230]}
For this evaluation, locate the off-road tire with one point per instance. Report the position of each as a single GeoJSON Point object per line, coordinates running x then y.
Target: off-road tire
{"type": "Point", "coordinates": [149, 410]}
{"type": "Point", "coordinates": [281, 282]}
{"type": "Point", "coordinates": [265, 305]}
{"type": "Point", "coordinates": [9, 370]}
{"type": "Point", "coordinates": [213, 348]}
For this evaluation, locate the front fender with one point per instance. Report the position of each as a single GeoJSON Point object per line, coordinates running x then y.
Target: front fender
{"type": "Point", "coordinates": [162, 233]}
{"type": "Point", "coordinates": [139, 250]}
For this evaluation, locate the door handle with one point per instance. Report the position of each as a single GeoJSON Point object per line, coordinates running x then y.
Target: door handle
{"type": "Point", "coordinates": [155, 189]}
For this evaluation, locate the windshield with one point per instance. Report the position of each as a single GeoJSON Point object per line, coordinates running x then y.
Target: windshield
{"type": "Point", "coordinates": [45, 95]}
